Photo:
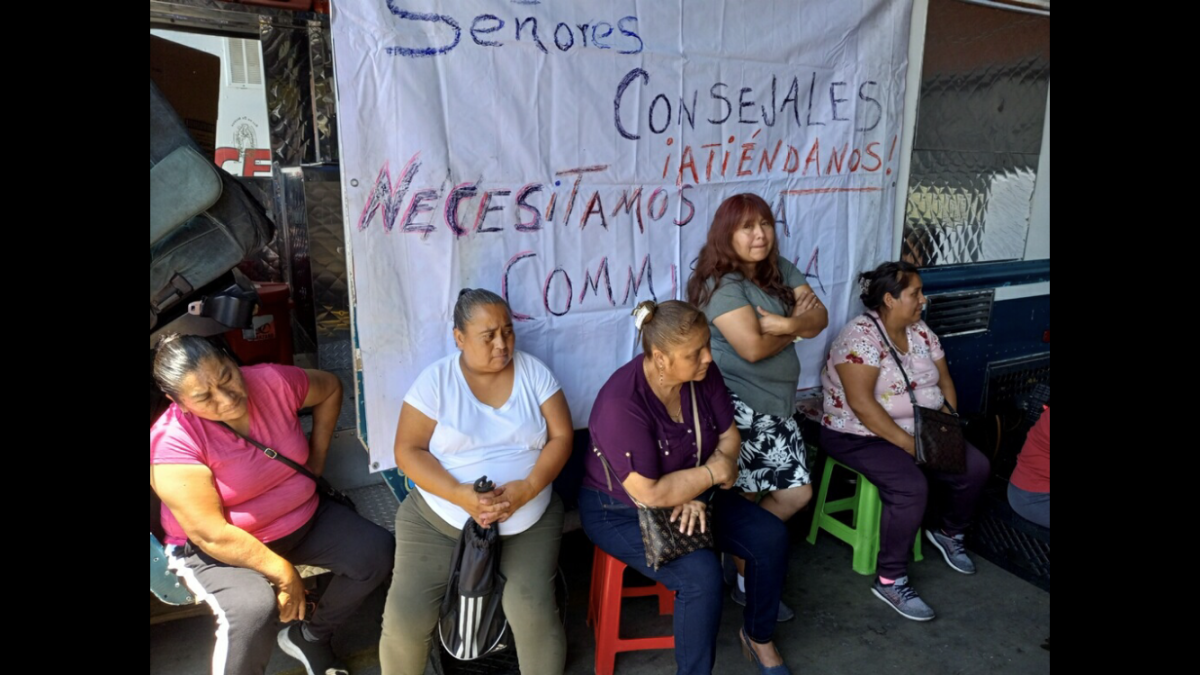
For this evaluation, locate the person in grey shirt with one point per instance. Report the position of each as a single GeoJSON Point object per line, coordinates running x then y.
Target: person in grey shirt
{"type": "Point", "coordinates": [758, 304]}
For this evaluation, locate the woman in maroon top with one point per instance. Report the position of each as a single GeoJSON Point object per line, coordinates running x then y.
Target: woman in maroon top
{"type": "Point", "coordinates": [644, 427]}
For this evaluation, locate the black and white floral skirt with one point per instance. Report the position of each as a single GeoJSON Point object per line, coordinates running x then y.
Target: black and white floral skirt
{"type": "Point", "coordinates": [773, 456]}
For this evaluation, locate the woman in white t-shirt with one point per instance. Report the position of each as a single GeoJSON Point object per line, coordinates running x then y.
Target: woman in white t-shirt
{"type": "Point", "coordinates": [487, 411]}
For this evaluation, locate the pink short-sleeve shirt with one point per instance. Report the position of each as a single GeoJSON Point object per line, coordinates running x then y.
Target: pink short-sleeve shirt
{"type": "Point", "coordinates": [260, 495]}
{"type": "Point", "coordinates": [861, 342]}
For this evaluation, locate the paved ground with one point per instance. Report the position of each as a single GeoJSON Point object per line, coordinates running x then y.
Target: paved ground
{"type": "Point", "coordinates": [993, 622]}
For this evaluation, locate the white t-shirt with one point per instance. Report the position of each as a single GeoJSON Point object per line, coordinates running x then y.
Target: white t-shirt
{"type": "Point", "coordinates": [473, 439]}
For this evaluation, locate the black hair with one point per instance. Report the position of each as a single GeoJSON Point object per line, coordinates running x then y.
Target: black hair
{"type": "Point", "coordinates": [469, 299]}
{"type": "Point", "coordinates": [890, 278]}
{"type": "Point", "coordinates": [668, 324]}
{"type": "Point", "coordinates": [178, 356]}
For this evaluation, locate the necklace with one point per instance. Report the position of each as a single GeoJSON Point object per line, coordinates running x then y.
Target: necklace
{"type": "Point", "coordinates": [678, 414]}
{"type": "Point", "coordinates": [896, 343]}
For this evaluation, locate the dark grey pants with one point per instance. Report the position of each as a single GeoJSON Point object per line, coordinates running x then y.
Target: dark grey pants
{"type": "Point", "coordinates": [357, 552]}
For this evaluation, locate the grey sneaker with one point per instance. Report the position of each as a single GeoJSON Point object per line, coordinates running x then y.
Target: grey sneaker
{"type": "Point", "coordinates": [785, 612]}
{"type": "Point", "coordinates": [902, 598]}
{"type": "Point", "coordinates": [317, 657]}
{"type": "Point", "coordinates": [952, 550]}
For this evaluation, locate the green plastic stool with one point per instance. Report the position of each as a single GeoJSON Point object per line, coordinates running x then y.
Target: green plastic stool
{"type": "Point", "coordinates": [865, 509]}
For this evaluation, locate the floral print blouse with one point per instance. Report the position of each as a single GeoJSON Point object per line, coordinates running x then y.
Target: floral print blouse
{"type": "Point", "coordinates": [861, 342]}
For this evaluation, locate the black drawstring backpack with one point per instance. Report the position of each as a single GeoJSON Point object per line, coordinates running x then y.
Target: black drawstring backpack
{"type": "Point", "coordinates": [472, 622]}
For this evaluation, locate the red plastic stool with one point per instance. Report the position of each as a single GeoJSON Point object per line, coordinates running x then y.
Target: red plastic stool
{"type": "Point", "coordinates": [604, 611]}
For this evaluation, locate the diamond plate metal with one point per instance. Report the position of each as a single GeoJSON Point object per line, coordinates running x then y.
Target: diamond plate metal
{"type": "Point", "coordinates": [310, 207]}
{"type": "Point", "coordinates": [377, 504]}
{"type": "Point", "coordinates": [968, 207]}
{"type": "Point", "coordinates": [981, 113]}
{"type": "Point", "coordinates": [289, 97]}
{"type": "Point", "coordinates": [336, 355]}
{"type": "Point", "coordinates": [294, 225]}
{"type": "Point", "coordinates": [320, 50]}
{"type": "Point", "coordinates": [327, 253]}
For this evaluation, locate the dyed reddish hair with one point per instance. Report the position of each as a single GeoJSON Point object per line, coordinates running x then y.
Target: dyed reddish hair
{"type": "Point", "coordinates": [718, 258]}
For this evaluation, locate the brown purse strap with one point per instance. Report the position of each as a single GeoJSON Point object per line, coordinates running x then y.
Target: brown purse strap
{"type": "Point", "coordinates": [608, 474]}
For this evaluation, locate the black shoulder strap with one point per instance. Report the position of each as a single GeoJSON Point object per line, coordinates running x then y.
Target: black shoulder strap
{"type": "Point", "coordinates": [896, 357]}
{"type": "Point", "coordinates": [298, 468]}
{"type": "Point", "coordinates": [907, 385]}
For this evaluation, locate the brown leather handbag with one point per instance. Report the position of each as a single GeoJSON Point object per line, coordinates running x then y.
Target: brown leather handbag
{"type": "Point", "coordinates": [663, 540]}
{"type": "Point", "coordinates": [938, 435]}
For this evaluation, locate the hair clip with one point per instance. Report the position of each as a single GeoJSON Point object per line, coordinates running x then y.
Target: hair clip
{"type": "Point", "coordinates": [639, 315]}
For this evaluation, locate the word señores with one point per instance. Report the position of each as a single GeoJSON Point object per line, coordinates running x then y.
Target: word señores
{"type": "Point", "coordinates": [427, 34]}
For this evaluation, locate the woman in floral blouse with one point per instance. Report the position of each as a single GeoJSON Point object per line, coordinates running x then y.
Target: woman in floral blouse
{"type": "Point", "coordinates": [868, 426]}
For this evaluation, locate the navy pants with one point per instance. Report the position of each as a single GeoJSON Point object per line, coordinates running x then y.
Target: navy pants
{"type": "Point", "coordinates": [904, 491]}
{"type": "Point", "coordinates": [740, 527]}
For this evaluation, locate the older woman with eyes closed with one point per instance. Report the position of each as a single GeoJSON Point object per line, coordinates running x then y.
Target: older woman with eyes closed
{"type": "Point", "coordinates": [237, 520]}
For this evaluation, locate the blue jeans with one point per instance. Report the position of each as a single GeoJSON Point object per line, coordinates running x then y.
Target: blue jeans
{"type": "Point", "coordinates": [740, 527]}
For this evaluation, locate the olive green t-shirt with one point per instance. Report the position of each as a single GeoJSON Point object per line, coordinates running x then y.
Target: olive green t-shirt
{"type": "Point", "coordinates": [768, 386]}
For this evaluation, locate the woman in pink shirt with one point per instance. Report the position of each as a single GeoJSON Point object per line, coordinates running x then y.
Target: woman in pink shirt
{"type": "Point", "coordinates": [238, 520]}
{"type": "Point", "coordinates": [868, 426]}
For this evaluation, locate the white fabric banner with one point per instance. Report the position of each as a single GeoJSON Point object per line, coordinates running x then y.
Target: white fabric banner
{"type": "Point", "coordinates": [570, 156]}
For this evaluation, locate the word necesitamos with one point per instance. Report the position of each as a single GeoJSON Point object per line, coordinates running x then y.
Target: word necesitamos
{"type": "Point", "coordinates": [396, 202]}
{"type": "Point", "coordinates": [436, 34]}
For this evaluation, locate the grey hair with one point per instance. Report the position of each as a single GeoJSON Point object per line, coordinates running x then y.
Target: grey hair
{"type": "Point", "coordinates": [469, 299]}
{"type": "Point", "coordinates": [178, 356]}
